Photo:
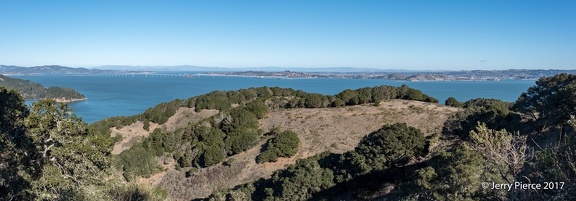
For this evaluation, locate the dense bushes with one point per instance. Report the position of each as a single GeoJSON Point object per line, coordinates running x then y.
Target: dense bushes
{"type": "Point", "coordinates": [551, 100]}
{"type": "Point", "coordinates": [451, 101]}
{"type": "Point", "coordinates": [391, 145]}
{"type": "Point", "coordinates": [137, 161]}
{"type": "Point", "coordinates": [495, 113]}
{"type": "Point", "coordinates": [214, 100]}
{"type": "Point", "coordinates": [160, 113]}
{"type": "Point", "coordinates": [285, 144]}
{"type": "Point", "coordinates": [376, 94]}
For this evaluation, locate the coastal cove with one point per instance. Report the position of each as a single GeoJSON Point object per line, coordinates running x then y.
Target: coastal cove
{"type": "Point", "coordinates": [109, 96]}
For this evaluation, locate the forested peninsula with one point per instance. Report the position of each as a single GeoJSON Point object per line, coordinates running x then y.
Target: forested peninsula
{"type": "Point", "coordinates": [271, 143]}
{"type": "Point", "coordinates": [34, 91]}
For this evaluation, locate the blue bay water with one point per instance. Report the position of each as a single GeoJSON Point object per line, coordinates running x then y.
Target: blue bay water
{"type": "Point", "coordinates": [128, 95]}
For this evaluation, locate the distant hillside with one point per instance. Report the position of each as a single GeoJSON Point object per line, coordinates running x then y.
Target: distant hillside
{"type": "Point", "coordinates": [475, 75]}
{"type": "Point", "coordinates": [34, 91]}
{"type": "Point", "coordinates": [52, 69]}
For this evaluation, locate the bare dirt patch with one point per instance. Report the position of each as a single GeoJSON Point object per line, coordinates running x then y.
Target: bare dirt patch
{"type": "Point", "coordinates": [130, 135]}
{"type": "Point", "coordinates": [185, 116]}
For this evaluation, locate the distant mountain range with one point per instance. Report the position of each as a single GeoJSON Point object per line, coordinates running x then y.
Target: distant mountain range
{"type": "Point", "coordinates": [265, 69]}
{"type": "Point", "coordinates": [348, 72]}
{"type": "Point", "coordinates": [52, 69]}
{"type": "Point", "coordinates": [56, 69]}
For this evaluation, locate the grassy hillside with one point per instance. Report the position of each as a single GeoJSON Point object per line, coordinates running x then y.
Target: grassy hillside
{"type": "Point", "coordinates": [174, 150]}
{"type": "Point", "coordinates": [34, 91]}
{"type": "Point", "coordinates": [334, 130]}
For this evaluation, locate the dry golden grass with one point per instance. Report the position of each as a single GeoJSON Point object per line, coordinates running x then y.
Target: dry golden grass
{"type": "Point", "coordinates": [324, 129]}
{"type": "Point", "coordinates": [130, 135]}
{"type": "Point", "coordinates": [185, 116]}
{"type": "Point", "coordinates": [340, 129]}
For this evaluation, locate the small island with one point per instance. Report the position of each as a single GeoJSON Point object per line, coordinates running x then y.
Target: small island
{"type": "Point", "coordinates": [34, 91]}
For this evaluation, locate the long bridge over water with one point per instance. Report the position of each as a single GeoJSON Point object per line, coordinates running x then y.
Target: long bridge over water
{"type": "Point", "coordinates": [141, 74]}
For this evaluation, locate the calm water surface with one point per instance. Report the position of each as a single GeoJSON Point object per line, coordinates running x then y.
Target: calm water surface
{"type": "Point", "coordinates": [129, 95]}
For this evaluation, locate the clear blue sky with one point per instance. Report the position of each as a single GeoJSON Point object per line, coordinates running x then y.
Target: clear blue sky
{"type": "Point", "coordinates": [425, 34]}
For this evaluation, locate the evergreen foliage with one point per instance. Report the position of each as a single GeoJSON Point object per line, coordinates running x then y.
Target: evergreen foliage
{"type": "Point", "coordinates": [551, 100]}
{"type": "Point", "coordinates": [17, 150]}
{"type": "Point", "coordinates": [392, 145]}
{"type": "Point", "coordinates": [285, 144]}
{"type": "Point", "coordinates": [496, 114]}
{"type": "Point", "coordinates": [451, 101]}
{"type": "Point", "coordinates": [57, 156]}
{"type": "Point", "coordinates": [162, 111]}
{"type": "Point", "coordinates": [70, 156]}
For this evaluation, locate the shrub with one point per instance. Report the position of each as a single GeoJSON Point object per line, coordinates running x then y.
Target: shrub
{"type": "Point", "coordinates": [284, 144]}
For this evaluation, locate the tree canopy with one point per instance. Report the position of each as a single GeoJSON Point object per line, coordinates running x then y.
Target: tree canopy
{"type": "Point", "coordinates": [552, 99]}
{"type": "Point", "coordinates": [47, 152]}
{"type": "Point", "coordinates": [285, 144]}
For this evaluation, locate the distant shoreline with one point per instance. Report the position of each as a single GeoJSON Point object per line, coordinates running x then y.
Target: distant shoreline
{"type": "Point", "coordinates": [71, 100]}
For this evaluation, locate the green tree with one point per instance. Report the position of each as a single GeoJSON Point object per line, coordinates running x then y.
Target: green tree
{"type": "Point", "coordinates": [350, 97]}
{"type": "Point", "coordinates": [502, 150]}
{"type": "Point", "coordinates": [258, 108]}
{"type": "Point", "coordinates": [285, 144]}
{"type": "Point", "coordinates": [71, 157]}
{"type": "Point", "coordinates": [213, 146]}
{"type": "Point", "coordinates": [16, 149]}
{"type": "Point", "coordinates": [137, 161]}
{"type": "Point", "coordinates": [313, 101]}
{"type": "Point", "coordinates": [391, 145]}
{"type": "Point", "coordinates": [186, 159]}
{"type": "Point", "coordinates": [240, 140]}
{"type": "Point", "coordinates": [364, 95]}
{"type": "Point", "coordinates": [451, 101]}
{"type": "Point", "coordinates": [454, 176]}
{"type": "Point", "coordinates": [493, 112]}
{"type": "Point", "coordinates": [146, 125]}
{"type": "Point", "coordinates": [212, 155]}
{"type": "Point", "coordinates": [384, 93]}
{"type": "Point", "coordinates": [301, 181]}
{"type": "Point", "coordinates": [238, 119]}
{"type": "Point", "coordinates": [263, 92]}
{"type": "Point", "coordinates": [551, 100]}
{"type": "Point", "coordinates": [338, 102]}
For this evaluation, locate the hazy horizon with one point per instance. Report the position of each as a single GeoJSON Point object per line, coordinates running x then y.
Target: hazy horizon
{"type": "Point", "coordinates": [245, 68]}
{"type": "Point", "coordinates": [405, 35]}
